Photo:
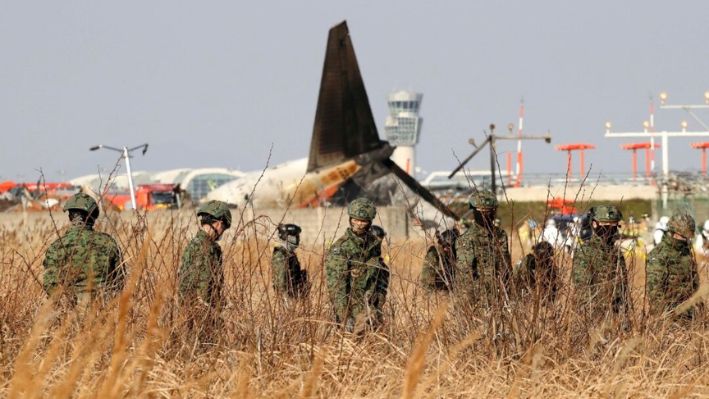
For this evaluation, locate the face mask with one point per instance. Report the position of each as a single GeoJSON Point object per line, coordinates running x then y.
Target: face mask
{"type": "Point", "coordinates": [484, 218]}
{"type": "Point", "coordinates": [292, 242]}
{"type": "Point", "coordinates": [607, 233]}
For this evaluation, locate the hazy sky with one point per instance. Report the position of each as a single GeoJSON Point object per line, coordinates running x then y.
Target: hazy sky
{"type": "Point", "coordinates": [215, 83]}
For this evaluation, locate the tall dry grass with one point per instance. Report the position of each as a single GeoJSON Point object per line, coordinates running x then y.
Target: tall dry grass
{"type": "Point", "coordinates": [138, 345]}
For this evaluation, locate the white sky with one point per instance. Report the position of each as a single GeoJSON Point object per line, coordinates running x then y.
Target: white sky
{"type": "Point", "coordinates": [215, 83]}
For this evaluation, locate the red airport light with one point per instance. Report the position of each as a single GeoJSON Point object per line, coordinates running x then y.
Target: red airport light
{"type": "Point", "coordinates": [634, 147]}
{"type": "Point", "coordinates": [702, 146]}
{"type": "Point", "coordinates": [569, 148]}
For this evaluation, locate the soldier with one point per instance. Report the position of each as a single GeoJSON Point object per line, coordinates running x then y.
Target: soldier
{"type": "Point", "coordinates": [201, 276]}
{"type": "Point", "coordinates": [672, 275]}
{"type": "Point", "coordinates": [84, 262]}
{"type": "Point", "coordinates": [483, 265]}
{"type": "Point", "coordinates": [439, 264]}
{"type": "Point", "coordinates": [357, 278]}
{"type": "Point", "coordinates": [599, 272]}
{"type": "Point", "coordinates": [288, 278]}
{"type": "Point", "coordinates": [538, 269]}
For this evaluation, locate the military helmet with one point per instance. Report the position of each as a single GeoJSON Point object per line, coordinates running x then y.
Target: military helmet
{"type": "Point", "coordinates": [81, 202]}
{"type": "Point", "coordinates": [606, 214]}
{"type": "Point", "coordinates": [288, 229]}
{"type": "Point", "coordinates": [378, 232]}
{"type": "Point", "coordinates": [218, 210]}
{"type": "Point", "coordinates": [483, 199]}
{"type": "Point", "coordinates": [362, 208]}
{"type": "Point", "coordinates": [682, 224]}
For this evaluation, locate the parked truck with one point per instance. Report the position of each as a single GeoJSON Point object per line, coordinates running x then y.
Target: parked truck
{"type": "Point", "coordinates": [149, 197]}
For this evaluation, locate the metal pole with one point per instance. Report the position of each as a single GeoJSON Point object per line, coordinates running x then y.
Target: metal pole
{"type": "Point", "coordinates": [493, 158]}
{"type": "Point", "coordinates": [665, 157]}
{"type": "Point", "coordinates": [647, 162]}
{"type": "Point", "coordinates": [126, 156]}
{"type": "Point", "coordinates": [652, 138]}
{"type": "Point", "coordinates": [665, 170]}
{"type": "Point", "coordinates": [635, 164]}
{"type": "Point", "coordinates": [520, 159]}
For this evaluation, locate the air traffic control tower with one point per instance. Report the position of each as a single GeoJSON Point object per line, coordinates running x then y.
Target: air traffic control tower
{"type": "Point", "coordinates": [403, 126]}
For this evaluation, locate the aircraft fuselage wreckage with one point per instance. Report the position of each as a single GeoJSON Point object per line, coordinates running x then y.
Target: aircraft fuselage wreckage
{"type": "Point", "coordinates": [346, 154]}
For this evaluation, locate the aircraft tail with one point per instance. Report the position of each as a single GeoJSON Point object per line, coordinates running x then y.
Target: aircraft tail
{"type": "Point", "coordinates": [344, 125]}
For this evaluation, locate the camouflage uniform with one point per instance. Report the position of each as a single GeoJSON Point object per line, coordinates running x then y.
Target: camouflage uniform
{"type": "Point", "coordinates": [288, 277]}
{"type": "Point", "coordinates": [357, 278]}
{"type": "Point", "coordinates": [538, 269]}
{"type": "Point", "coordinates": [672, 275]}
{"type": "Point", "coordinates": [201, 275]}
{"type": "Point", "coordinates": [483, 266]}
{"type": "Point", "coordinates": [437, 272]}
{"type": "Point", "coordinates": [599, 272]}
{"type": "Point", "coordinates": [83, 261]}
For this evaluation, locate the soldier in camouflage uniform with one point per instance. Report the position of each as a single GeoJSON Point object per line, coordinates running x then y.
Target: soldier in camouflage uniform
{"type": "Point", "coordinates": [538, 270]}
{"type": "Point", "coordinates": [84, 262]}
{"type": "Point", "coordinates": [201, 276]}
{"type": "Point", "coordinates": [357, 277]}
{"type": "Point", "coordinates": [437, 272]}
{"type": "Point", "coordinates": [483, 267]}
{"type": "Point", "coordinates": [672, 275]}
{"type": "Point", "coordinates": [599, 271]}
{"type": "Point", "coordinates": [288, 277]}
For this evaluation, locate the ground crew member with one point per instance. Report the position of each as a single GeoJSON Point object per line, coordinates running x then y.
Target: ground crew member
{"type": "Point", "coordinates": [672, 275]}
{"type": "Point", "coordinates": [84, 262]}
{"type": "Point", "coordinates": [288, 277]}
{"type": "Point", "coordinates": [538, 270]}
{"type": "Point", "coordinates": [357, 278]}
{"type": "Point", "coordinates": [483, 266]}
{"type": "Point", "coordinates": [201, 276]}
{"type": "Point", "coordinates": [599, 271]}
{"type": "Point", "coordinates": [437, 272]}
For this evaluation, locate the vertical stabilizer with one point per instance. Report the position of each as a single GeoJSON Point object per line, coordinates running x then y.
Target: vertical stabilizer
{"type": "Point", "coordinates": [344, 124]}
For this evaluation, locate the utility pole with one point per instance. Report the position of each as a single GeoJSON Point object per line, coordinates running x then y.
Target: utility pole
{"type": "Point", "coordinates": [125, 154]}
{"type": "Point", "coordinates": [491, 139]}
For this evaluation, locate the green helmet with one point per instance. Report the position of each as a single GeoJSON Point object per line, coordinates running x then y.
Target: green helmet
{"type": "Point", "coordinates": [606, 214]}
{"type": "Point", "coordinates": [482, 199]}
{"type": "Point", "coordinates": [216, 209]}
{"type": "Point", "coordinates": [362, 208]}
{"type": "Point", "coordinates": [82, 202]}
{"type": "Point", "coordinates": [682, 224]}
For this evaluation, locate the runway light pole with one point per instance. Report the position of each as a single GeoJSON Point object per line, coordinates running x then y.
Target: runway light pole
{"type": "Point", "coordinates": [664, 135]}
{"type": "Point", "coordinates": [125, 154]}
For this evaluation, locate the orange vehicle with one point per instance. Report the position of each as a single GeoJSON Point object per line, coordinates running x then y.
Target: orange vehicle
{"type": "Point", "coordinates": [7, 185]}
{"type": "Point", "coordinates": [149, 197]}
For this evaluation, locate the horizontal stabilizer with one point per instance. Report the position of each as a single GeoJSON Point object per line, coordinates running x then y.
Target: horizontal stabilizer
{"type": "Point", "coordinates": [420, 190]}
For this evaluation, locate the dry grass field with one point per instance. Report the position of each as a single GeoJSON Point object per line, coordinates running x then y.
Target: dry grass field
{"type": "Point", "coordinates": [138, 347]}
